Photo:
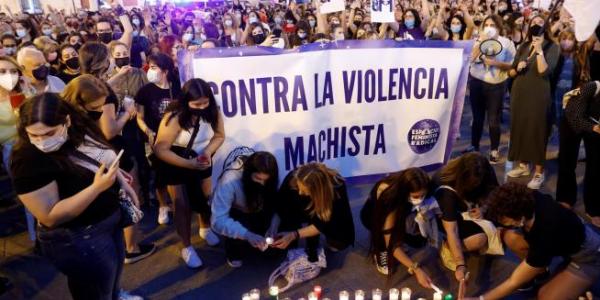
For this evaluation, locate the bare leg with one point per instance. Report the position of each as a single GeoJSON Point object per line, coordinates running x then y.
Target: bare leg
{"type": "Point", "coordinates": [131, 241]}
{"type": "Point", "coordinates": [162, 196]}
{"type": "Point", "coordinates": [516, 243]}
{"type": "Point", "coordinates": [475, 242]}
{"type": "Point", "coordinates": [182, 214]}
{"type": "Point", "coordinates": [204, 221]}
{"type": "Point", "coordinates": [565, 285]}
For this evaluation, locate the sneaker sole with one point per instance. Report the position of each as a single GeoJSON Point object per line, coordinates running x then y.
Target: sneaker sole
{"type": "Point", "coordinates": [138, 258]}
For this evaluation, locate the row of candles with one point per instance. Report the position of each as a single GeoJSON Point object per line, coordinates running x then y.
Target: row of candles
{"type": "Point", "coordinates": [376, 294]}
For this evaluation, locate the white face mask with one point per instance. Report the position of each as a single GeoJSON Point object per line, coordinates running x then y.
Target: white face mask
{"type": "Point", "coordinates": [9, 81]}
{"type": "Point", "coordinates": [153, 76]}
{"type": "Point", "coordinates": [10, 51]}
{"type": "Point", "coordinates": [228, 23]}
{"type": "Point", "coordinates": [47, 31]}
{"type": "Point", "coordinates": [21, 33]}
{"type": "Point", "coordinates": [52, 143]}
{"type": "Point", "coordinates": [490, 32]}
{"type": "Point", "coordinates": [416, 201]}
{"type": "Point", "coordinates": [136, 22]}
{"type": "Point", "coordinates": [252, 20]}
{"type": "Point", "coordinates": [187, 37]}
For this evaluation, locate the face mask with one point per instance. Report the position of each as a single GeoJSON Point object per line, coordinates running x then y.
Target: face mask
{"type": "Point", "coordinates": [302, 35]}
{"type": "Point", "coordinates": [187, 37]}
{"type": "Point", "coordinates": [277, 20]}
{"type": "Point", "coordinates": [289, 22]}
{"type": "Point", "coordinates": [52, 56]}
{"type": "Point", "coordinates": [153, 76]}
{"type": "Point", "coordinates": [259, 38]}
{"type": "Point", "coordinates": [203, 37]}
{"type": "Point", "coordinates": [228, 23]}
{"type": "Point", "coordinates": [335, 22]}
{"type": "Point", "coordinates": [253, 20]}
{"type": "Point", "coordinates": [490, 32]}
{"type": "Point", "coordinates": [416, 201]}
{"type": "Point", "coordinates": [52, 143]}
{"type": "Point", "coordinates": [410, 24]}
{"type": "Point", "coordinates": [10, 50]}
{"type": "Point", "coordinates": [357, 23]}
{"type": "Point", "coordinates": [136, 22]}
{"type": "Point", "coordinates": [455, 28]}
{"type": "Point", "coordinates": [47, 31]}
{"type": "Point", "coordinates": [105, 37]}
{"type": "Point", "coordinates": [312, 23]}
{"type": "Point", "coordinates": [136, 33]}
{"type": "Point", "coordinates": [94, 115]}
{"type": "Point", "coordinates": [72, 63]}
{"type": "Point", "coordinates": [122, 61]}
{"type": "Point", "coordinates": [9, 81]}
{"type": "Point", "coordinates": [21, 33]}
{"type": "Point", "coordinates": [41, 73]}
{"type": "Point", "coordinates": [567, 45]}
{"type": "Point", "coordinates": [220, 32]}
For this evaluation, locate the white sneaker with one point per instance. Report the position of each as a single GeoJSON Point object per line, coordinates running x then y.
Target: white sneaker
{"type": "Point", "coordinates": [163, 215]}
{"type": "Point", "coordinates": [234, 263]}
{"type": "Point", "coordinates": [123, 295]}
{"type": "Point", "coordinates": [536, 182]}
{"type": "Point", "coordinates": [209, 236]}
{"type": "Point", "coordinates": [520, 171]}
{"type": "Point", "coordinates": [190, 257]}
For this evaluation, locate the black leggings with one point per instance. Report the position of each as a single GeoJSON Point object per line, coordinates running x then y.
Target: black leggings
{"type": "Point", "coordinates": [257, 223]}
{"type": "Point", "coordinates": [486, 97]}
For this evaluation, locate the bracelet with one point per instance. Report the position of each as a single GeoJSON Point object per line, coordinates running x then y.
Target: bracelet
{"type": "Point", "coordinates": [413, 268]}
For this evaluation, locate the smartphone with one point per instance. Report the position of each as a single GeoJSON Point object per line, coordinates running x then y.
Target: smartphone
{"type": "Point", "coordinates": [116, 161]}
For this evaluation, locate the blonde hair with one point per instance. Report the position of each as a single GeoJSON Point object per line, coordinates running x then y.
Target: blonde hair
{"type": "Point", "coordinates": [320, 181]}
{"type": "Point", "coordinates": [45, 44]}
{"type": "Point", "coordinates": [112, 45]}
{"type": "Point", "coordinates": [84, 89]}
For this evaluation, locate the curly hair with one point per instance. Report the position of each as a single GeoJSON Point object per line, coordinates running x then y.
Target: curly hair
{"type": "Point", "coordinates": [511, 200]}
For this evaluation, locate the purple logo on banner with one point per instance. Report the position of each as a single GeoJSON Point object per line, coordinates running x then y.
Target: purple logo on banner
{"type": "Point", "coordinates": [423, 136]}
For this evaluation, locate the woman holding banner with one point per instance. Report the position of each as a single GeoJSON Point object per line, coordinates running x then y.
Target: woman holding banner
{"type": "Point", "coordinates": [189, 134]}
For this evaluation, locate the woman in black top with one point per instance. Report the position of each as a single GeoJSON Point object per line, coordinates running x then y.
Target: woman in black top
{"type": "Point", "coordinates": [463, 184]}
{"type": "Point", "coordinates": [69, 63]}
{"type": "Point", "coordinates": [551, 231]}
{"type": "Point", "coordinates": [399, 213]}
{"type": "Point", "coordinates": [55, 172]}
{"type": "Point", "coordinates": [316, 195]}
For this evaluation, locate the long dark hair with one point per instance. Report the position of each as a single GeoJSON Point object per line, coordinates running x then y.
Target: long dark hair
{"type": "Point", "coordinates": [192, 90]}
{"type": "Point", "coordinates": [394, 200]}
{"type": "Point", "coordinates": [51, 110]}
{"type": "Point", "coordinates": [257, 196]}
{"type": "Point", "coordinates": [471, 175]}
{"type": "Point", "coordinates": [463, 27]}
{"type": "Point", "coordinates": [92, 56]}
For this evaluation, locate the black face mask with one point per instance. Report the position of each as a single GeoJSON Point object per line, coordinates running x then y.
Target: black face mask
{"type": "Point", "coordinates": [121, 61]}
{"type": "Point", "coordinates": [258, 38]}
{"type": "Point", "coordinates": [536, 30]}
{"type": "Point", "coordinates": [357, 23]}
{"type": "Point", "coordinates": [72, 63]}
{"type": "Point", "coordinates": [94, 115]}
{"type": "Point", "coordinates": [105, 37]}
{"type": "Point", "coordinates": [41, 73]}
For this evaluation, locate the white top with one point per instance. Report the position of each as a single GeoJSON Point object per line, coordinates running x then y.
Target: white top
{"type": "Point", "coordinates": [205, 133]}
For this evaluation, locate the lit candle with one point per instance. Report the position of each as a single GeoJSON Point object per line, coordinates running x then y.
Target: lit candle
{"type": "Point", "coordinates": [406, 292]}
{"type": "Point", "coordinates": [255, 294]}
{"type": "Point", "coordinates": [437, 296]}
{"type": "Point", "coordinates": [269, 241]}
{"type": "Point", "coordinates": [246, 296]}
{"type": "Point", "coordinates": [377, 294]}
{"type": "Point", "coordinates": [359, 295]}
{"type": "Point", "coordinates": [312, 296]}
{"type": "Point", "coordinates": [344, 295]}
{"type": "Point", "coordinates": [274, 292]}
{"type": "Point", "coordinates": [394, 294]}
{"type": "Point", "coordinates": [317, 290]}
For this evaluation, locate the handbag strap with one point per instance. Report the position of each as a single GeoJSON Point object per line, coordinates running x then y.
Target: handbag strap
{"type": "Point", "coordinates": [193, 137]}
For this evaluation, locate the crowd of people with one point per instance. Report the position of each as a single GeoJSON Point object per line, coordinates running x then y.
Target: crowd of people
{"type": "Point", "coordinates": [94, 119]}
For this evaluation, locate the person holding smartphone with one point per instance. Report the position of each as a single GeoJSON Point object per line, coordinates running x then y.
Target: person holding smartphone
{"type": "Point", "coordinates": [65, 172]}
{"type": "Point", "coordinates": [190, 133]}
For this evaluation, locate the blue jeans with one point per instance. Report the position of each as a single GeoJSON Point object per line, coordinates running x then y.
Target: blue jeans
{"type": "Point", "coordinates": [91, 257]}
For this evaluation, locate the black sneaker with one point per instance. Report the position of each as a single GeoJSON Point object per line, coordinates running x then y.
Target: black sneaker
{"type": "Point", "coordinates": [381, 262]}
{"type": "Point", "coordinates": [145, 251]}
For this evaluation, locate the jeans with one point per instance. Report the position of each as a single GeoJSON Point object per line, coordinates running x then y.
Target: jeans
{"type": "Point", "coordinates": [486, 97]}
{"type": "Point", "coordinates": [91, 257]}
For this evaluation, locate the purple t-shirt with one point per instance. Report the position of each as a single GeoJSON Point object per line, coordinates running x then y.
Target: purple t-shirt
{"type": "Point", "coordinates": [416, 33]}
